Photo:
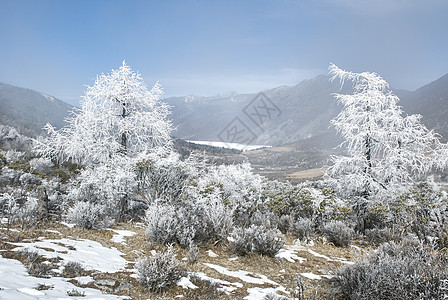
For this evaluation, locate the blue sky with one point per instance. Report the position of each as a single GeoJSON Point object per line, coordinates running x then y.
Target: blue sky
{"type": "Point", "coordinates": [208, 47]}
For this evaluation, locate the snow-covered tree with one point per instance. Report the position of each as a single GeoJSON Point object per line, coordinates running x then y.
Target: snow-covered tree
{"type": "Point", "coordinates": [118, 116]}
{"type": "Point", "coordinates": [386, 151]}
{"type": "Point", "coordinates": [120, 123]}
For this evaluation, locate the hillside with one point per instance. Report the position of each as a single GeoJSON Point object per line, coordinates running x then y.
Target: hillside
{"type": "Point", "coordinates": [431, 101]}
{"type": "Point", "coordinates": [297, 112]}
{"type": "Point", "coordinates": [28, 110]}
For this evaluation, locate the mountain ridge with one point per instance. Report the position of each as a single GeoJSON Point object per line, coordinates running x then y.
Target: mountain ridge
{"type": "Point", "coordinates": [304, 110]}
{"type": "Point", "coordinates": [28, 110]}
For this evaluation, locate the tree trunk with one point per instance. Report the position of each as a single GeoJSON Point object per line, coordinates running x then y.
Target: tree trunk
{"type": "Point", "coordinates": [124, 138]}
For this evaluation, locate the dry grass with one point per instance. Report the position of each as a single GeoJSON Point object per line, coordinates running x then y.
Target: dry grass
{"type": "Point", "coordinates": [277, 270]}
{"type": "Point", "coordinates": [310, 174]}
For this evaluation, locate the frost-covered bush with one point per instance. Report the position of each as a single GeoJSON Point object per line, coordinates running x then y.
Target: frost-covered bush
{"type": "Point", "coordinates": [303, 228]}
{"type": "Point", "coordinates": [306, 200]}
{"type": "Point", "coordinates": [41, 165]}
{"type": "Point", "coordinates": [163, 178]}
{"type": "Point", "coordinates": [28, 178]}
{"type": "Point", "coordinates": [9, 176]}
{"type": "Point", "coordinates": [110, 186]}
{"type": "Point", "coordinates": [395, 271]}
{"type": "Point", "coordinates": [379, 236]}
{"type": "Point", "coordinates": [175, 224]}
{"type": "Point", "coordinates": [192, 254]}
{"type": "Point", "coordinates": [265, 241]}
{"type": "Point", "coordinates": [27, 213]}
{"type": "Point", "coordinates": [8, 208]}
{"type": "Point", "coordinates": [218, 217]}
{"type": "Point", "coordinates": [13, 155]}
{"type": "Point", "coordinates": [160, 271]}
{"type": "Point", "coordinates": [240, 241]}
{"type": "Point", "coordinates": [162, 223]}
{"type": "Point", "coordinates": [422, 211]}
{"type": "Point", "coordinates": [285, 199]}
{"type": "Point", "coordinates": [87, 215]}
{"type": "Point", "coordinates": [338, 233]}
{"type": "Point", "coordinates": [238, 187]}
{"type": "Point", "coordinates": [195, 220]}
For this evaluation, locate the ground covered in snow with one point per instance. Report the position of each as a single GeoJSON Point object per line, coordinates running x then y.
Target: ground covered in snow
{"type": "Point", "coordinates": [106, 259]}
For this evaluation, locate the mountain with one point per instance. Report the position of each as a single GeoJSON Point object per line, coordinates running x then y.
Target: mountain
{"type": "Point", "coordinates": [431, 101]}
{"type": "Point", "coordinates": [277, 116]}
{"type": "Point", "coordinates": [296, 113]}
{"type": "Point", "coordinates": [28, 110]}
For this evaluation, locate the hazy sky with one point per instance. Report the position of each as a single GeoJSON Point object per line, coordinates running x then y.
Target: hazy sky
{"type": "Point", "coordinates": [207, 47]}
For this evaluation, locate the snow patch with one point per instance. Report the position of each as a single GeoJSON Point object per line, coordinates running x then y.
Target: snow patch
{"type": "Point", "coordinates": [90, 254]}
{"type": "Point", "coordinates": [84, 279]}
{"type": "Point", "coordinates": [69, 225]}
{"type": "Point", "coordinates": [289, 255]}
{"type": "Point", "coordinates": [16, 283]}
{"type": "Point", "coordinates": [311, 275]}
{"type": "Point", "coordinates": [212, 254]}
{"type": "Point", "coordinates": [31, 292]}
{"type": "Point", "coordinates": [225, 286]}
{"type": "Point", "coordinates": [260, 293]}
{"type": "Point", "coordinates": [120, 235]}
{"type": "Point", "coordinates": [51, 99]}
{"type": "Point", "coordinates": [185, 283]}
{"type": "Point", "coordinates": [236, 146]}
{"type": "Point", "coordinates": [243, 275]}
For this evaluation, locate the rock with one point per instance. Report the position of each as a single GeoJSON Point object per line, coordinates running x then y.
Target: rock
{"type": "Point", "coordinates": [110, 283]}
{"type": "Point", "coordinates": [124, 287]}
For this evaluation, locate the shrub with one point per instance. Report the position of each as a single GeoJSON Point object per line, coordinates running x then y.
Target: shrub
{"type": "Point", "coordinates": [379, 236]}
{"type": "Point", "coordinates": [259, 239]}
{"type": "Point", "coordinates": [294, 201]}
{"type": "Point", "coordinates": [28, 178]}
{"type": "Point", "coordinates": [162, 223]}
{"type": "Point", "coordinates": [160, 271]}
{"type": "Point", "coordinates": [192, 254]}
{"type": "Point", "coordinates": [76, 293]}
{"type": "Point", "coordinates": [72, 269]}
{"type": "Point", "coordinates": [267, 241]}
{"type": "Point", "coordinates": [41, 165]}
{"type": "Point", "coordinates": [240, 241]}
{"type": "Point", "coordinates": [274, 296]}
{"type": "Point", "coordinates": [165, 179]}
{"type": "Point", "coordinates": [338, 233]}
{"type": "Point", "coordinates": [303, 228]}
{"type": "Point", "coordinates": [8, 208]}
{"type": "Point", "coordinates": [33, 263]}
{"type": "Point", "coordinates": [86, 215]}
{"type": "Point", "coordinates": [395, 271]}
{"type": "Point", "coordinates": [188, 221]}
{"type": "Point", "coordinates": [27, 214]}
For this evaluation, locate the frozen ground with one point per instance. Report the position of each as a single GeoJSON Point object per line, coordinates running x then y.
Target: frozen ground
{"type": "Point", "coordinates": [251, 278]}
{"type": "Point", "coordinates": [15, 283]}
{"type": "Point", "coordinates": [90, 254]}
